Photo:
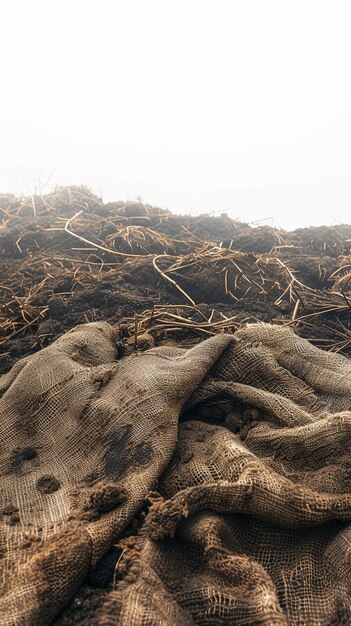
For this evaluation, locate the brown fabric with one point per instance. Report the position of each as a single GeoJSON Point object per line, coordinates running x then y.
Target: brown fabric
{"type": "Point", "coordinates": [250, 521]}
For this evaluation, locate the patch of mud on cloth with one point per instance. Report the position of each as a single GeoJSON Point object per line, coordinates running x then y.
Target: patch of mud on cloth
{"type": "Point", "coordinates": [103, 431]}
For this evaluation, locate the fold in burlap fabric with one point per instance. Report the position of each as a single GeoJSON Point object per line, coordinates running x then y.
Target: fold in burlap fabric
{"type": "Point", "coordinates": [249, 524]}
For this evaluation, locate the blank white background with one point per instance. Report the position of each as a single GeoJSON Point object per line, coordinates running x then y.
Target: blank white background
{"type": "Point", "coordinates": [241, 106]}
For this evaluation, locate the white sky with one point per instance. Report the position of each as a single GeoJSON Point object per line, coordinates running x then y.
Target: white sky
{"type": "Point", "coordinates": [196, 105]}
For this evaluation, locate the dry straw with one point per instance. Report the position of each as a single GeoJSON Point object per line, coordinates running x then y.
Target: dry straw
{"type": "Point", "coordinates": [77, 240]}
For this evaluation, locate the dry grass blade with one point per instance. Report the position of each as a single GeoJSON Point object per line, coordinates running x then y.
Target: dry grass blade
{"type": "Point", "coordinates": [173, 282]}
{"type": "Point", "coordinates": [170, 319]}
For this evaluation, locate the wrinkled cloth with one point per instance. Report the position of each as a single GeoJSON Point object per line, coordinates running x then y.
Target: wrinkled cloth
{"type": "Point", "coordinates": [250, 508]}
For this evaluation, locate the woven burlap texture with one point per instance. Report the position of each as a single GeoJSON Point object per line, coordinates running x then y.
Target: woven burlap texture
{"type": "Point", "coordinates": [249, 515]}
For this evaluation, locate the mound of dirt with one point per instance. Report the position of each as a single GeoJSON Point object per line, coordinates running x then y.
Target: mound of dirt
{"type": "Point", "coordinates": [68, 258]}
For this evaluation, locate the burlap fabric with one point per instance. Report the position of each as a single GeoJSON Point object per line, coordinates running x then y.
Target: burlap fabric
{"type": "Point", "coordinates": [250, 506]}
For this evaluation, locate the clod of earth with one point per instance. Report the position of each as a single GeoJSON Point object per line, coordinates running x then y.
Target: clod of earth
{"type": "Point", "coordinates": [47, 484]}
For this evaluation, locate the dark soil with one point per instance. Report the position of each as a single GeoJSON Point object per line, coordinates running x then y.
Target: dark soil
{"type": "Point", "coordinates": [51, 280]}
